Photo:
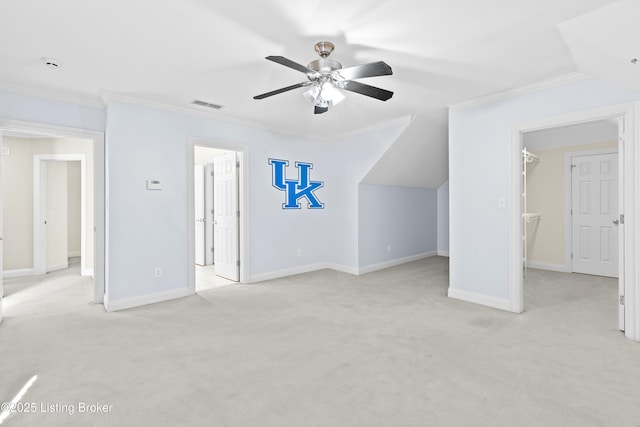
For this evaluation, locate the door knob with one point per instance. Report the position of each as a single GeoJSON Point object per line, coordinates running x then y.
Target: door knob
{"type": "Point", "coordinates": [616, 221]}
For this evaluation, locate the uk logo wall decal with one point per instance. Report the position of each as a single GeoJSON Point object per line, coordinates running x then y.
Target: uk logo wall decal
{"type": "Point", "coordinates": [295, 190]}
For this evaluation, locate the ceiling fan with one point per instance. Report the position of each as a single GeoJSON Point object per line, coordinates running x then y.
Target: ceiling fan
{"type": "Point", "coordinates": [326, 76]}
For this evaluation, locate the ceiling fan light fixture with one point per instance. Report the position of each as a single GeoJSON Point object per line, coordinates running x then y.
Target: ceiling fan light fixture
{"type": "Point", "coordinates": [323, 94]}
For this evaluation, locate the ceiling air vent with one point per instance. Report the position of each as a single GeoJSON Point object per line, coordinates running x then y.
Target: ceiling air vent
{"type": "Point", "coordinates": [207, 104]}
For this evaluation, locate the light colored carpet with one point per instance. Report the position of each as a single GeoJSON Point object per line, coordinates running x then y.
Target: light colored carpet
{"type": "Point", "coordinates": [324, 349]}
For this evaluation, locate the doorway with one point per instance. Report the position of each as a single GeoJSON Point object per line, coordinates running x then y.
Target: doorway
{"type": "Point", "coordinates": [42, 135]}
{"type": "Point", "coordinates": [218, 221]}
{"type": "Point", "coordinates": [62, 191]}
{"type": "Point", "coordinates": [572, 238]}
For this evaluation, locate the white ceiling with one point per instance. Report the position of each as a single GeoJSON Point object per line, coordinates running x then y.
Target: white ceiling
{"type": "Point", "coordinates": [174, 51]}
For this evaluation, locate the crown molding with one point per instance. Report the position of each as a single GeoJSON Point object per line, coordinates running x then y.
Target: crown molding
{"type": "Point", "coordinates": [108, 96]}
{"type": "Point", "coordinates": [519, 91]}
{"type": "Point", "coordinates": [52, 95]}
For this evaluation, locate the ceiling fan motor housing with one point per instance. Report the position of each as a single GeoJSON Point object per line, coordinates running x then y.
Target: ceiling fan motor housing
{"type": "Point", "coordinates": [324, 66]}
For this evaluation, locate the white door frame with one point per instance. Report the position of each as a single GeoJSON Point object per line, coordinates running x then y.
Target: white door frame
{"type": "Point", "coordinates": [100, 240]}
{"type": "Point", "coordinates": [629, 161]}
{"type": "Point", "coordinates": [243, 159]}
{"type": "Point", "coordinates": [40, 210]}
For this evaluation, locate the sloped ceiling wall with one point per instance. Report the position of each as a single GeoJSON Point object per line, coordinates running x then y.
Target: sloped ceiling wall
{"type": "Point", "coordinates": [418, 158]}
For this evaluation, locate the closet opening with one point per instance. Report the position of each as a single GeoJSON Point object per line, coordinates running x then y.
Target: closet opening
{"type": "Point", "coordinates": [571, 208]}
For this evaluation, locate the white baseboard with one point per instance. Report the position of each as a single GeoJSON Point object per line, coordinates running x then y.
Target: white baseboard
{"type": "Point", "coordinates": [123, 304]}
{"type": "Point", "coordinates": [22, 272]}
{"type": "Point", "coordinates": [52, 268]}
{"type": "Point", "coordinates": [87, 272]}
{"type": "Point", "coordinates": [289, 272]}
{"type": "Point", "coordinates": [338, 267]}
{"type": "Point", "coordinates": [499, 303]}
{"type": "Point", "coordinates": [394, 262]}
{"type": "Point", "coordinates": [550, 267]}
{"type": "Point", "coordinates": [443, 253]}
{"type": "Point", "coordinates": [74, 254]}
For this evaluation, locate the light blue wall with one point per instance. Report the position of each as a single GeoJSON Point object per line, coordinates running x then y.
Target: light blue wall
{"type": "Point", "coordinates": [443, 219]}
{"type": "Point", "coordinates": [479, 148]}
{"type": "Point", "coordinates": [149, 229]}
{"type": "Point", "coordinates": [403, 218]}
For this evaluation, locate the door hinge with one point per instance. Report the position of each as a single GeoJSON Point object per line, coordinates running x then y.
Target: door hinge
{"type": "Point", "coordinates": [572, 166]}
{"type": "Point", "coordinates": [621, 299]}
{"type": "Point", "coordinates": [237, 164]}
{"type": "Point", "coordinates": [572, 256]}
{"type": "Point", "coordinates": [621, 218]}
{"type": "Point", "coordinates": [238, 213]}
{"type": "Point", "coordinates": [238, 263]}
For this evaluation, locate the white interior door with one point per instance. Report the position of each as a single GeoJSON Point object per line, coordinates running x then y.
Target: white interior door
{"type": "Point", "coordinates": [594, 202]}
{"type": "Point", "coordinates": [208, 214]}
{"type": "Point", "coordinates": [198, 191]}
{"type": "Point", "coordinates": [226, 215]}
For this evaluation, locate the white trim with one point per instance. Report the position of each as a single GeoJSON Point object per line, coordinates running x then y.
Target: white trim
{"type": "Point", "coordinates": [630, 161]}
{"type": "Point", "coordinates": [519, 91]}
{"type": "Point", "coordinates": [124, 304]}
{"type": "Point", "coordinates": [568, 237]}
{"type": "Point", "coordinates": [297, 270]}
{"type": "Point", "coordinates": [632, 222]}
{"type": "Point", "coordinates": [56, 267]}
{"type": "Point", "coordinates": [88, 101]}
{"type": "Point", "coordinates": [74, 254]}
{"type": "Point", "coordinates": [499, 303]}
{"type": "Point", "coordinates": [39, 208]}
{"type": "Point", "coordinates": [21, 272]}
{"type": "Point", "coordinates": [443, 253]}
{"type": "Point", "coordinates": [87, 272]}
{"type": "Point", "coordinates": [549, 267]}
{"type": "Point", "coordinates": [243, 186]}
{"type": "Point", "coordinates": [395, 262]}
{"type": "Point", "coordinates": [338, 267]}
{"type": "Point", "coordinates": [100, 261]}
{"type": "Point", "coordinates": [192, 110]}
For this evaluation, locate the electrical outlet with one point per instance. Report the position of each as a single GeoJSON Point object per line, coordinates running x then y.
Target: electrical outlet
{"type": "Point", "coordinates": [158, 271]}
{"type": "Point", "coordinates": [388, 248]}
{"type": "Point", "coordinates": [299, 252]}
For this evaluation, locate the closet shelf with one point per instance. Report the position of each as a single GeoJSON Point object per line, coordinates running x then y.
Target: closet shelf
{"type": "Point", "coordinates": [530, 157]}
{"type": "Point", "coordinates": [530, 217]}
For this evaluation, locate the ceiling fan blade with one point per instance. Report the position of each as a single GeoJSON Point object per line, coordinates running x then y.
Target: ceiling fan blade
{"type": "Point", "coordinates": [284, 89]}
{"type": "Point", "coordinates": [320, 110]}
{"type": "Point", "coordinates": [363, 89]}
{"type": "Point", "coordinates": [291, 64]}
{"type": "Point", "coordinates": [371, 69]}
